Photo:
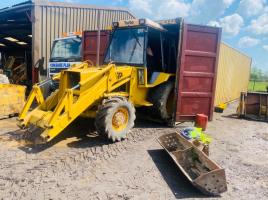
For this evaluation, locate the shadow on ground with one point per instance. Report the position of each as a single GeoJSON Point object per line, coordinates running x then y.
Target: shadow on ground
{"type": "Point", "coordinates": [231, 116]}
{"type": "Point", "coordinates": [80, 134]}
{"type": "Point", "coordinates": [177, 182]}
{"type": "Point", "coordinates": [247, 118]}
{"type": "Point", "coordinates": [90, 137]}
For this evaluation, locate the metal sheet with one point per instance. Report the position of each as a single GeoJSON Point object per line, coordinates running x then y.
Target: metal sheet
{"type": "Point", "coordinates": [52, 19]}
{"type": "Point", "coordinates": [199, 169]}
{"type": "Point", "coordinates": [254, 105]}
{"type": "Point", "coordinates": [197, 71]}
{"type": "Point", "coordinates": [91, 44]}
{"type": "Point", "coordinates": [233, 74]}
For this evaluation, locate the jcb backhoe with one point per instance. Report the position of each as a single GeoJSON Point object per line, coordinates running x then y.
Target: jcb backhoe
{"type": "Point", "coordinates": [169, 67]}
{"type": "Point", "coordinates": [135, 74]}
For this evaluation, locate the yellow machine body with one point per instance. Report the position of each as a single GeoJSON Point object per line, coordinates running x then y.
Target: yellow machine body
{"type": "Point", "coordinates": [82, 89]}
{"type": "Point", "coordinates": [12, 99]}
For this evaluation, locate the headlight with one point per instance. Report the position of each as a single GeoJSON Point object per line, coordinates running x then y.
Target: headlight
{"type": "Point", "coordinates": [141, 76]}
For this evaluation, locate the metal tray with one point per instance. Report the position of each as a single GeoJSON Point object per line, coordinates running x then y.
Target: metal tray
{"type": "Point", "coordinates": [199, 169]}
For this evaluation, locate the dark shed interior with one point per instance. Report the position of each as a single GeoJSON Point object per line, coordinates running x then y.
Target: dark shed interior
{"type": "Point", "coordinates": [16, 42]}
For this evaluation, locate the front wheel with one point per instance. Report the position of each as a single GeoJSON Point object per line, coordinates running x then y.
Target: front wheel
{"type": "Point", "coordinates": [115, 118]}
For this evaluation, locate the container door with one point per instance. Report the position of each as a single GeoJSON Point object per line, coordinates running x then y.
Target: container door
{"type": "Point", "coordinates": [94, 47]}
{"type": "Point", "coordinates": [197, 70]}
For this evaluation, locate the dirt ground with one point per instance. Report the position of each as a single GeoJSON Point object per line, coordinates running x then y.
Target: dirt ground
{"type": "Point", "coordinates": [81, 165]}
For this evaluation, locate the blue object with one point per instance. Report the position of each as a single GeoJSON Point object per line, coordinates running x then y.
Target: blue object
{"type": "Point", "coordinates": [186, 132]}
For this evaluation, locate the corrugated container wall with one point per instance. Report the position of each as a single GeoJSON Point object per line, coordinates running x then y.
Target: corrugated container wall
{"type": "Point", "coordinates": [53, 19]}
{"type": "Point", "coordinates": [233, 74]}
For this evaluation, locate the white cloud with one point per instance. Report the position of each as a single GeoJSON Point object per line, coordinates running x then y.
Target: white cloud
{"type": "Point", "coordinates": [259, 26]}
{"type": "Point", "coordinates": [195, 11]}
{"type": "Point", "coordinates": [173, 8]}
{"type": "Point", "coordinates": [228, 3]}
{"type": "Point", "coordinates": [214, 23]}
{"type": "Point", "coordinates": [141, 6]}
{"type": "Point", "coordinates": [203, 11]}
{"type": "Point", "coordinates": [265, 47]}
{"type": "Point", "coordinates": [250, 8]}
{"type": "Point", "coordinates": [231, 24]}
{"type": "Point", "coordinates": [160, 9]}
{"type": "Point", "coordinates": [248, 42]}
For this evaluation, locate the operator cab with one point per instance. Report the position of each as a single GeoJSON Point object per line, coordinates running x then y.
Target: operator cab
{"type": "Point", "coordinates": [142, 43]}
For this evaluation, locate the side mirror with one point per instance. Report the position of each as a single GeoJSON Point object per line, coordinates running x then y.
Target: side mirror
{"type": "Point", "coordinates": [40, 63]}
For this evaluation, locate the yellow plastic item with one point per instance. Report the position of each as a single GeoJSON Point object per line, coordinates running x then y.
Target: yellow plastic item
{"type": "Point", "coordinates": [222, 106]}
{"type": "Point", "coordinates": [197, 133]}
{"type": "Point", "coordinates": [12, 99]}
{"type": "Point", "coordinates": [205, 138]}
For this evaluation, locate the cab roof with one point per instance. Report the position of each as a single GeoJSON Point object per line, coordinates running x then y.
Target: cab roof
{"type": "Point", "coordinates": [139, 22]}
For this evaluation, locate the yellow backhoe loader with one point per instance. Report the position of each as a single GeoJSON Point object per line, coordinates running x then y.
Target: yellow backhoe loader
{"type": "Point", "coordinates": [139, 71]}
{"type": "Point", "coordinates": [108, 93]}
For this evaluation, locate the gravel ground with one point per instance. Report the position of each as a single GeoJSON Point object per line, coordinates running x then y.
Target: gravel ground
{"type": "Point", "coordinates": [80, 165]}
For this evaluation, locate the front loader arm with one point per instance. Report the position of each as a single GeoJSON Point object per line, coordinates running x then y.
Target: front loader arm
{"type": "Point", "coordinates": [92, 89]}
{"type": "Point", "coordinates": [36, 94]}
{"type": "Point", "coordinates": [71, 110]}
{"type": "Point", "coordinates": [94, 84]}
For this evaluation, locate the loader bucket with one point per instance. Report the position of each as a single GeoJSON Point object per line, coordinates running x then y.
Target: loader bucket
{"type": "Point", "coordinates": [12, 99]}
{"type": "Point", "coordinates": [198, 168]}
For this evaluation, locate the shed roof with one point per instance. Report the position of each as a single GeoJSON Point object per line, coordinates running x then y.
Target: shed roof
{"type": "Point", "coordinates": [16, 21]}
{"type": "Point", "coordinates": [17, 7]}
{"type": "Point", "coordinates": [28, 4]}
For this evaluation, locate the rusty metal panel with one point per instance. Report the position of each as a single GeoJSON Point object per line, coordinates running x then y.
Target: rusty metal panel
{"type": "Point", "coordinates": [197, 71]}
{"type": "Point", "coordinates": [194, 163]}
{"type": "Point", "coordinates": [90, 45]}
{"type": "Point", "coordinates": [51, 19]}
{"type": "Point", "coordinates": [254, 105]}
{"type": "Point", "coordinates": [233, 74]}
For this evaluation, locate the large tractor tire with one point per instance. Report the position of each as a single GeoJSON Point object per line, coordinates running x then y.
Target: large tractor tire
{"type": "Point", "coordinates": [162, 97]}
{"type": "Point", "coordinates": [115, 118]}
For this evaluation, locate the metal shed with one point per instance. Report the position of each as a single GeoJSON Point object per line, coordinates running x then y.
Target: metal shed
{"type": "Point", "coordinates": [35, 24]}
{"type": "Point", "coordinates": [233, 74]}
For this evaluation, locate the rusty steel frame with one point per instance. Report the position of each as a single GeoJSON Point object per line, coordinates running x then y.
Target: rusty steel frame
{"type": "Point", "coordinates": [193, 162]}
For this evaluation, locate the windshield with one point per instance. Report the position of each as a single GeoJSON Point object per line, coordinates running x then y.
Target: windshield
{"type": "Point", "coordinates": [69, 48]}
{"type": "Point", "coordinates": [126, 47]}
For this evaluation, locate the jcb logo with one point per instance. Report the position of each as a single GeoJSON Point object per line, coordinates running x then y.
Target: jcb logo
{"type": "Point", "coordinates": [119, 75]}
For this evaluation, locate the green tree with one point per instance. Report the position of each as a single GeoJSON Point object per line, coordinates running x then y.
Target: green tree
{"type": "Point", "coordinates": [258, 74]}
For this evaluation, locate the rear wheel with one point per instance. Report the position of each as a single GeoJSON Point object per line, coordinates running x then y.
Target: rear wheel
{"type": "Point", "coordinates": [115, 118]}
{"type": "Point", "coordinates": [162, 98]}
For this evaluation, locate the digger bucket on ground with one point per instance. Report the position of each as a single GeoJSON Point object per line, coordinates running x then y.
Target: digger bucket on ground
{"type": "Point", "coordinates": [12, 99]}
{"type": "Point", "coordinates": [199, 169]}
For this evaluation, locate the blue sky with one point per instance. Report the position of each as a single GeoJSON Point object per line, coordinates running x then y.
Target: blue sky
{"type": "Point", "coordinates": [244, 22]}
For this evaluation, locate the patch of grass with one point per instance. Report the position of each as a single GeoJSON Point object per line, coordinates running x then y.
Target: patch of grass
{"type": "Point", "coordinates": [258, 87]}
